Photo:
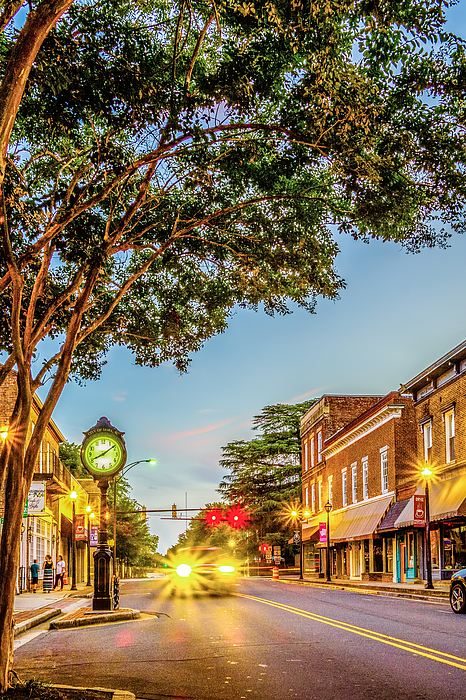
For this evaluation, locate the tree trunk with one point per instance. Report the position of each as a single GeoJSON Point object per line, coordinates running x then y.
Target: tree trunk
{"type": "Point", "coordinates": [16, 489]}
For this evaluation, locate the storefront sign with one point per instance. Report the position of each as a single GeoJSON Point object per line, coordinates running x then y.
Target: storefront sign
{"type": "Point", "coordinates": [36, 497]}
{"type": "Point", "coordinates": [419, 511]}
{"type": "Point", "coordinates": [447, 545]}
{"type": "Point", "coordinates": [277, 551]}
{"type": "Point", "coordinates": [322, 533]}
{"type": "Point", "coordinates": [80, 532]}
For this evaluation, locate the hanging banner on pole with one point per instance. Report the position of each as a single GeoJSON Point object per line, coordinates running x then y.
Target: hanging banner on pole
{"type": "Point", "coordinates": [80, 532]}
{"type": "Point", "coordinates": [419, 511]}
{"type": "Point", "coordinates": [323, 533]}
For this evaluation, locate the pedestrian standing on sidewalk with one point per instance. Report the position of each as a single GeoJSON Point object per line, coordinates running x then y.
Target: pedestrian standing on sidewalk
{"type": "Point", "coordinates": [34, 569]}
{"type": "Point", "coordinates": [60, 572]}
{"type": "Point", "coordinates": [47, 583]}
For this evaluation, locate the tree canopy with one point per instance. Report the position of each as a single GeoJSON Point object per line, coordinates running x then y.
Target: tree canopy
{"type": "Point", "coordinates": [162, 164]}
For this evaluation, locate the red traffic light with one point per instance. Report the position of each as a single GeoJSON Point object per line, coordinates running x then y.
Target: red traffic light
{"type": "Point", "coordinates": [213, 517]}
{"type": "Point", "coordinates": [237, 517]}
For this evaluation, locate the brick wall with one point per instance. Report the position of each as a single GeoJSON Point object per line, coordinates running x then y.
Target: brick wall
{"type": "Point", "coordinates": [434, 406]}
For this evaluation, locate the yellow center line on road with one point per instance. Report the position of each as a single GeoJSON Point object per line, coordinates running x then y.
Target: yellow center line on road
{"type": "Point", "coordinates": [418, 649]}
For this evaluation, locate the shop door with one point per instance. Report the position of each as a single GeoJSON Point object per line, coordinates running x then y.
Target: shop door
{"type": "Point", "coordinates": [402, 562]}
{"type": "Point", "coordinates": [356, 560]}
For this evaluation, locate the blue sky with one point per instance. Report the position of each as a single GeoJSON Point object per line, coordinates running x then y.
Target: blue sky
{"type": "Point", "coordinates": [398, 314]}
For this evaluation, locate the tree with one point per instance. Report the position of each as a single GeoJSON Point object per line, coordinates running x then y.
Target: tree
{"type": "Point", "coordinates": [265, 473]}
{"type": "Point", "coordinates": [160, 165]}
{"type": "Point", "coordinates": [135, 545]}
{"type": "Point", "coordinates": [70, 455]}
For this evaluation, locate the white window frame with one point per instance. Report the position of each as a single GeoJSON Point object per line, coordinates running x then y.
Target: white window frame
{"type": "Point", "coordinates": [306, 455]}
{"type": "Point", "coordinates": [344, 487]}
{"type": "Point", "coordinates": [306, 496]}
{"type": "Point", "coordinates": [365, 479]}
{"type": "Point", "coordinates": [354, 482]}
{"type": "Point", "coordinates": [384, 470]}
{"type": "Point", "coordinates": [313, 498]}
{"type": "Point", "coordinates": [449, 418]}
{"type": "Point", "coordinates": [330, 489]}
{"type": "Point", "coordinates": [312, 451]}
{"type": "Point", "coordinates": [319, 446]}
{"type": "Point", "coordinates": [320, 493]}
{"type": "Point", "coordinates": [427, 440]}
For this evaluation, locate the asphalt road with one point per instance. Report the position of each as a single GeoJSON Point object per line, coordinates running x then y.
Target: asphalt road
{"type": "Point", "coordinates": [271, 640]}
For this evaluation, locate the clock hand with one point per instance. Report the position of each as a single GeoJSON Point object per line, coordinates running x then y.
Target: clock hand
{"type": "Point", "coordinates": [101, 454]}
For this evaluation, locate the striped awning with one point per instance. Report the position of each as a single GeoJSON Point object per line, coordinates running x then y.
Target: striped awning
{"type": "Point", "coordinates": [447, 499]}
{"type": "Point", "coordinates": [362, 520]}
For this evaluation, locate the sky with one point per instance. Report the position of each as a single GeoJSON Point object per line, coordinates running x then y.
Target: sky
{"type": "Point", "coordinates": [398, 314]}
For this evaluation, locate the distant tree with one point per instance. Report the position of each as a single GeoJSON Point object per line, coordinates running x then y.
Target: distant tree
{"type": "Point", "coordinates": [70, 455]}
{"type": "Point", "coordinates": [265, 473]}
{"type": "Point", "coordinates": [135, 545]}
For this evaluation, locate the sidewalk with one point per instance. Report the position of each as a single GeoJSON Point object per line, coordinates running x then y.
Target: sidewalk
{"type": "Point", "coordinates": [72, 607]}
{"type": "Point", "coordinates": [440, 592]}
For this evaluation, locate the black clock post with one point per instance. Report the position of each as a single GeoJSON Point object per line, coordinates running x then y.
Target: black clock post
{"type": "Point", "coordinates": [103, 452]}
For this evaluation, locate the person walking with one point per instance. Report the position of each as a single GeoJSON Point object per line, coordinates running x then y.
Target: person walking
{"type": "Point", "coordinates": [34, 569]}
{"type": "Point", "coordinates": [47, 583]}
{"type": "Point", "coordinates": [60, 572]}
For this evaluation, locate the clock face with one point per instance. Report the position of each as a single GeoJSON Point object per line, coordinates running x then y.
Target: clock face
{"type": "Point", "coordinates": [104, 454]}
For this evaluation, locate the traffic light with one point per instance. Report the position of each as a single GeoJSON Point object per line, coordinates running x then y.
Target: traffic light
{"type": "Point", "coordinates": [174, 510]}
{"type": "Point", "coordinates": [264, 548]}
{"type": "Point", "coordinates": [213, 517]}
{"type": "Point", "coordinates": [237, 517]}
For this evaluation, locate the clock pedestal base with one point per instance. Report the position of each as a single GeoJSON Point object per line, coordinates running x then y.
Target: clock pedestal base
{"type": "Point", "coordinates": [103, 574]}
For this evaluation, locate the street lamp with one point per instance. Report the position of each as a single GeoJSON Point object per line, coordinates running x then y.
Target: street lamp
{"type": "Point", "coordinates": [90, 516]}
{"type": "Point", "coordinates": [115, 481]}
{"type": "Point", "coordinates": [328, 508]}
{"type": "Point", "coordinates": [73, 496]}
{"type": "Point", "coordinates": [427, 473]}
{"type": "Point", "coordinates": [306, 514]}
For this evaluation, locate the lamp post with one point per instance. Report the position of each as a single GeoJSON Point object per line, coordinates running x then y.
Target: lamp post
{"type": "Point", "coordinates": [73, 496]}
{"type": "Point", "coordinates": [328, 508]}
{"type": "Point", "coordinates": [427, 473]}
{"type": "Point", "coordinates": [90, 516]}
{"type": "Point", "coordinates": [115, 481]}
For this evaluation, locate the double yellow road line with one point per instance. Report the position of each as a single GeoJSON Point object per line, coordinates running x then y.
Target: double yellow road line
{"type": "Point", "coordinates": [418, 649]}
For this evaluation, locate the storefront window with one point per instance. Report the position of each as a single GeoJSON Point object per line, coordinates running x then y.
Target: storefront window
{"type": "Point", "coordinates": [434, 543]}
{"type": "Point", "coordinates": [378, 555]}
{"type": "Point", "coordinates": [366, 556]}
{"type": "Point", "coordinates": [454, 547]}
{"type": "Point", "coordinates": [389, 555]}
{"type": "Point", "coordinates": [410, 545]}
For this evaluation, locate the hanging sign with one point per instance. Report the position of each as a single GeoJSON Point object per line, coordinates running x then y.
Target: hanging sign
{"type": "Point", "coordinates": [323, 533]}
{"type": "Point", "coordinates": [419, 511]}
{"type": "Point", "coordinates": [94, 539]}
{"type": "Point", "coordinates": [36, 497]}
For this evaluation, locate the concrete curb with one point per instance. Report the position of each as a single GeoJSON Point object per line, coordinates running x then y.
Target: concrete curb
{"type": "Point", "coordinates": [22, 627]}
{"type": "Point", "coordinates": [96, 619]}
{"type": "Point", "coordinates": [80, 692]}
{"type": "Point", "coordinates": [432, 596]}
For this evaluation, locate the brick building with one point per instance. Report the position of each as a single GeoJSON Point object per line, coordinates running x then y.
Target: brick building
{"type": "Point", "coordinates": [362, 465]}
{"type": "Point", "coordinates": [324, 419]}
{"type": "Point", "coordinates": [439, 394]}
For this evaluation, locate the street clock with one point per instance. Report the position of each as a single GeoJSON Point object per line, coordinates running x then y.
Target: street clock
{"type": "Point", "coordinates": [103, 451]}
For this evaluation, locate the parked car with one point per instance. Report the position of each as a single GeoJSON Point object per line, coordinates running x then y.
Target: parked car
{"type": "Point", "coordinates": [458, 592]}
{"type": "Point", "coordinates": [202, 569]}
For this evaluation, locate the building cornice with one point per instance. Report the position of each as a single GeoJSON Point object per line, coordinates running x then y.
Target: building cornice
{"type": "Point", "coordinates": [383, 415]}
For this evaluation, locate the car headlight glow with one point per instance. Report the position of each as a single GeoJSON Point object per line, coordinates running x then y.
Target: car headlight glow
{"type": "Point", "coordinates": [226, 569]}
{"type": "Point", "coordinates": [183, 570]}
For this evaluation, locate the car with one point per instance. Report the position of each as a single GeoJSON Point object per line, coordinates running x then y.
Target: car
{"type": "Point", "coordinates": [200, 569]}
{"type": "Point", "coordinates": [458, 592]}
